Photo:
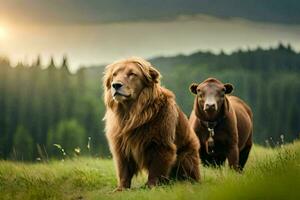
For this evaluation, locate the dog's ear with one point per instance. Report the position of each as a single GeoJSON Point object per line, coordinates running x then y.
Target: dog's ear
{"type": "Point", "coordinates": [193, 88]}
{"type": "Point", "coordinates": [106, 81]}
{"type": "Point", "coordinates": [107, 76]}
{"type": "Point", "coordinates": [228, 88]}
{"type": "Point", "coordinates": [155, 75]}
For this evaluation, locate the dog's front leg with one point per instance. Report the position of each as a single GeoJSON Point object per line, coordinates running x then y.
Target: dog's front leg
{"type": "Point", "coordinates": [160, 160]}
{"type": "Point", "coordinates": [126, 168]}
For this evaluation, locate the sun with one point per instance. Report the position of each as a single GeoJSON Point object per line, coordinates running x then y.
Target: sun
{"type": "Point", "coordinates": [3, 32]}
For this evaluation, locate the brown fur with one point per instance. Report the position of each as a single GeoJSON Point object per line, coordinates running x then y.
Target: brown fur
{"type": "Point", "coordinates": [233, 132]}
{"type": "Point", "coordinates": [147, 130]}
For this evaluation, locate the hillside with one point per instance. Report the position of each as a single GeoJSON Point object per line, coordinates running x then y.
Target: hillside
{"type": "Point", "coordinates": [267, 79]}
{"type": "Point", "coordinates": [269, 174]}
{"type": "Point", "coordinates": [70, 105]}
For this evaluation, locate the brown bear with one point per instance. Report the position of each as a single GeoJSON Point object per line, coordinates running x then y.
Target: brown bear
{"type": "Point", "coordinates": [223, 124]}
{"type": "Point", "coordinates": [144, 126]}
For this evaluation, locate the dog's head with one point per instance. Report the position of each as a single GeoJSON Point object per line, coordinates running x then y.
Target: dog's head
{"type": "Point", "coordinates": [125, 80]}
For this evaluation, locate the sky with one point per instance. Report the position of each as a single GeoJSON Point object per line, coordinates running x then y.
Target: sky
{"type": "Point", "coordinates": [97, 32]}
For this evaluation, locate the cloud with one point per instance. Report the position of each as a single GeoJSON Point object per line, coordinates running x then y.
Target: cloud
{"type": "Point", "coordinates": [108, 11]}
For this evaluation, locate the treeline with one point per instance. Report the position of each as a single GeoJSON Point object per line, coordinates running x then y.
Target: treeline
{"type": "Point", "coordinates": [46, 111]}
{"type": "Point", "coordinates": [40, 107]}
{"type": "Point", "coordinates": [267, 79]}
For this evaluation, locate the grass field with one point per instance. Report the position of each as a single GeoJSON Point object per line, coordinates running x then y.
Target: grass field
{"type": "Point", "coordinates": [269, 174]}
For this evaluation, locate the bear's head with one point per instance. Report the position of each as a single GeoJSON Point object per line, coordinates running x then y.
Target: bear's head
{"type": "Point", "coordinates": [211, 94]}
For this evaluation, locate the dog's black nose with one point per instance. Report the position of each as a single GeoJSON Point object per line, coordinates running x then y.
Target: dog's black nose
{"type": "Point", "coordinates": [116, 86]}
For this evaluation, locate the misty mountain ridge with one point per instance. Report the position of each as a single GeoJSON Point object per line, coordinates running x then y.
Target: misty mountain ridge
{"type": "Point", "coordinates": [282, 57]}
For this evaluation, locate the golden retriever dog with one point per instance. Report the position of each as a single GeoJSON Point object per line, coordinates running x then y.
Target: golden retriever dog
{"type": "Point", "coordinates": [144, 126]}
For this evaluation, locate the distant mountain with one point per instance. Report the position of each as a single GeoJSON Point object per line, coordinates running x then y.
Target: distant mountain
{"type": "Point", "coordinates": [283, 57]}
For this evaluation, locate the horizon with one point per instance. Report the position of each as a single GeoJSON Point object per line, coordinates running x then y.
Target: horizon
{"type": "Point", "coordinates": [58, 61]}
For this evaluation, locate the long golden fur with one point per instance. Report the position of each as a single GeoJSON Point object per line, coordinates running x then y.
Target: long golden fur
{"type": "Point", "coordinates": [147, 130]}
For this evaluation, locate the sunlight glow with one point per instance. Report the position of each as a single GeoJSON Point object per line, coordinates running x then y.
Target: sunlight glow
{"type": "Point", "coordinates": [3, 32]}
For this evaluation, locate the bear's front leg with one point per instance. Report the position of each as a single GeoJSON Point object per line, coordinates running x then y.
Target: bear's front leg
{"type": "Point", "coordinates": [233, 157]}
{"type": "Point", "coordinates": [160, 159]}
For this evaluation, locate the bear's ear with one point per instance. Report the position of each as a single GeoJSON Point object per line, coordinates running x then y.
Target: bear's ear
{"type": "Point", "coordinates": [228, 88]}
{"type": "Point", "coordinates": [193, 88]}
{"type": "Point", "coordinates": [155, 75]}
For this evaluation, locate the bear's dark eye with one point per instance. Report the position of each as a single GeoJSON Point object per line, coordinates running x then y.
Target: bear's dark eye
{"type": "Point", "coordinates": [200, 93]}
{"type": "Point", "coordinates": [222, 93]}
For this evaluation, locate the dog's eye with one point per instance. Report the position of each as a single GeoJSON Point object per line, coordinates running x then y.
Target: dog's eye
{"type": "Point", "coordinates": [114, 74]}
{"type": "Point", "coordinates": [132, 74]}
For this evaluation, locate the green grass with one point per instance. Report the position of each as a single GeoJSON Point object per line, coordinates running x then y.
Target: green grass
{"type": "Point", "coordinates": [269, 174]}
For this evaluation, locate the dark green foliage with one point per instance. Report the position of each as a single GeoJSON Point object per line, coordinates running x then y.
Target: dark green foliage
{"type": "Point", "coordinates": [41, 99]}
{"type": "Point", "coordinates": [22, 145]}
{"type": "Point", "coordinates": [69, 135]}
